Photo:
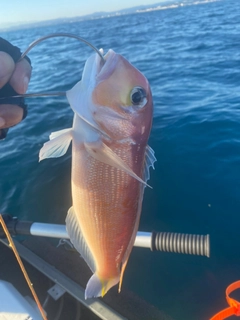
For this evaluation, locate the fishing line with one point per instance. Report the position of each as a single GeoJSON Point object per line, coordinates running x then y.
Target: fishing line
{"type": "Point", "coordinates": [19, 260]}
{"type": "Point", "coordinates": [38, 94]}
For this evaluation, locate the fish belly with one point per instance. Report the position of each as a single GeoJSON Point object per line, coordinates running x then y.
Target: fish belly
{"type": "Point", "coordinates": [107, 204]}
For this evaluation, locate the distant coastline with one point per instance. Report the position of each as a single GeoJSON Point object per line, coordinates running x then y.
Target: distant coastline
{"type": "Point", "coordinates": [168, 4]}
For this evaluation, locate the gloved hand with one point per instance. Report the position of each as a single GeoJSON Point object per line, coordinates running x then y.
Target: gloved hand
{"type": "Point", "coordinates": [14, 79]}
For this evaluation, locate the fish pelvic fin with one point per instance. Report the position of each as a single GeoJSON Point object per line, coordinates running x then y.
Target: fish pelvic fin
{"type": "Point", "coordinates": [58, 144]}
{"type": "Point", "coordinates": [97, 287]}
{"type": "Point", "coordinates": [77, 238]}
{"type": "Point", "coordinates": [101, 152]}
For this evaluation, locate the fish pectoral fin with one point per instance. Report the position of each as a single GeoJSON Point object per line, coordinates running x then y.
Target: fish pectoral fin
{"type": "Point", "coordinates": [58, 133]}
{"type": "Point", "coordinates": [97, 287]}
{"type": "Point", "coordinates": [57, 146]}
{"type": "Point", "coordinates": [77, 238]}
{"type": "Point", "coordinates": [101, 152]}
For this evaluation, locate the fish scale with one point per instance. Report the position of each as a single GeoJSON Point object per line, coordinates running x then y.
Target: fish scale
{"type": "Point", "coordinates": [102, 202]}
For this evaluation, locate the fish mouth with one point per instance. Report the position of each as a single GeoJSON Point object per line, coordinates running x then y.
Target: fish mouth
{"type": "Point", "coordinates": [106, 69]}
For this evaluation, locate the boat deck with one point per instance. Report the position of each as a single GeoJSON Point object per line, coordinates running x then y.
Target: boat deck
{"type": "Point", "coordinates": [70, 271]}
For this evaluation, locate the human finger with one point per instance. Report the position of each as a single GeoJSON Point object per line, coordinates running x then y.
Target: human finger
{"type": "Point", "coordinates": [7, 66]}
{"type": "Point", "coordinates": [10, 115]}
{"type": "Point", "coordinates": [21, 76]}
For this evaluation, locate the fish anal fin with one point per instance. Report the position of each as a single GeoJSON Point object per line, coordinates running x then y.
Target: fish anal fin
{"type": "Point", "coordinates": [57, 146]}
{"type": "Point", "coordinates": [77, 238]}
{"type": "Point", "coordinates": [101, 152]}
{"type": "Point", "coordinates": [121, 275]}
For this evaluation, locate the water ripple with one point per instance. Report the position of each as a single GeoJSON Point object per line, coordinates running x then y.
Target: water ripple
{"type": "Point", "coordinates": [190, 54]}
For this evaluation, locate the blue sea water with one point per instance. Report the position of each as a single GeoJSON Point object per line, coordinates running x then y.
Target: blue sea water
{"type": "Point", "coordinates": [190, 54]}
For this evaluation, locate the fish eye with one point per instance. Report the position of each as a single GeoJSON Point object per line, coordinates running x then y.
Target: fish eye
{"type": "Point", "coordinates": [138, 97]}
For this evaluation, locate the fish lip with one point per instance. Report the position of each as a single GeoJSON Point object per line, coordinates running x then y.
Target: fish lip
{"type": "Point", "coordinates": [106, 69]}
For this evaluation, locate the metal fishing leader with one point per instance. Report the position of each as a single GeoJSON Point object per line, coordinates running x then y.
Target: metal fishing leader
{"type": "Point", "coordinates": [34, 43]}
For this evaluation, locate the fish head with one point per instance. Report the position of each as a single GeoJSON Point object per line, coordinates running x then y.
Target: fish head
{"type": "Point", "coordinates": [122, 99]}
{"type": "Point", "coordinates": [114, 98]}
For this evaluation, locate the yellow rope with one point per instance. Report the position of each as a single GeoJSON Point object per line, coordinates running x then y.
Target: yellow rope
{"type": "Point", "coordinates": [12, 245]}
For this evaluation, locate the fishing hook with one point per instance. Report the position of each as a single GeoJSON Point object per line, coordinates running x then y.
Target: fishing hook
{"type": "Point", "coordinates": [33, 44]}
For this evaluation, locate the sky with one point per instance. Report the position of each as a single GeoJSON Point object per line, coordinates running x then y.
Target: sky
{"type": "Point", "coordinates": [14, 12]}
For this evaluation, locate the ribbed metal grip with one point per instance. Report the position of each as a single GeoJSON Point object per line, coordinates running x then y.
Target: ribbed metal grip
{"type": "Point", "coordinates": [181, 243]}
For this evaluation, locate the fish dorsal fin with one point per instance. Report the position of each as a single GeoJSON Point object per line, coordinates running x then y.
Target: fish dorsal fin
{"type": "Point", "coordinates": [149, 162]}
{"type": "Point", "coordinates": [57, 146]}
{"type": "Point", "coordinates": [77, 239]}
{"type": "Point", "coordinates": [101, 152]}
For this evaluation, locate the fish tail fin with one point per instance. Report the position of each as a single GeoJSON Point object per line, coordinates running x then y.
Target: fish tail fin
{"type": "Point", "coordinates": [97, 287]}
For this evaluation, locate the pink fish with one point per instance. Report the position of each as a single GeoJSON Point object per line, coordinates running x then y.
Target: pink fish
{"type": "Point", "coordinates": [110, 164]}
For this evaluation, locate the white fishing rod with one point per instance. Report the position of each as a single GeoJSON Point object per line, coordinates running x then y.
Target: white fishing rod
{"type": "Point", "coordinates": [156, 241]}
